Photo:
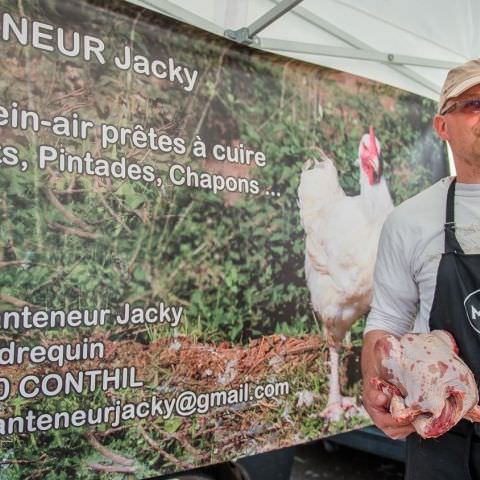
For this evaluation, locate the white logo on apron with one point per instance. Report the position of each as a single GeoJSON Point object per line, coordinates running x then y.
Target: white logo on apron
{"type": "Point", "coordinates": [472, 309]}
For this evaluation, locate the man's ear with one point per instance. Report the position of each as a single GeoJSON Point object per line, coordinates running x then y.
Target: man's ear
{"type": "Point", "coordinates": [440, 125]}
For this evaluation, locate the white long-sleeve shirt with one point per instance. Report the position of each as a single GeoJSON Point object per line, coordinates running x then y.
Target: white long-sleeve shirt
{"type": "Point", "coordinates": [409, 252]}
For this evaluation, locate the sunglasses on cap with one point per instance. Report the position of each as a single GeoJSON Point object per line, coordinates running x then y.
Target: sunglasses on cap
{"type": "Point", "coordinates": [471, 105]}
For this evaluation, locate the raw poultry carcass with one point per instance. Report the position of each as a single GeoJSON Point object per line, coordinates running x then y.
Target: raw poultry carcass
{"type": "Point", "coordinates": [428, 384]}
{"type": "Point", "coordinates": [342, 235]}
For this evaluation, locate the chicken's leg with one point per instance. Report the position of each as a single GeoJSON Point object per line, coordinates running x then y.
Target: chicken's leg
{"type": "Point", "coordinates": [336, 404]}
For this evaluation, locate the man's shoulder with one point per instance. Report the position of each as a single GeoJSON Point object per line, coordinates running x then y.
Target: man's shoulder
{"type": "Point", "coordinates": [426, 206]}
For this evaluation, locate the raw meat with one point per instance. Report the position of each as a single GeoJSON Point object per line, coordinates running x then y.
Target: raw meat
{"type": "Point", "coordinates": [429, 384]}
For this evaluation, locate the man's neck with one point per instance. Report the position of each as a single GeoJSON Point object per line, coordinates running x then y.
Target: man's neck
{"type": "Point", "coordinates": [467, 172]}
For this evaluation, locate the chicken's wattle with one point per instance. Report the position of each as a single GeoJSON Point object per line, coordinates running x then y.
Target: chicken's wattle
{"type": "Point", "coordinates": [428, 383]}
{"type": "Point", "coordinates": [370, 157]}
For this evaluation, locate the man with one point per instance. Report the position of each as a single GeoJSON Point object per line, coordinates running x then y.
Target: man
{"type": "Point", "coordinates": [428, 262]}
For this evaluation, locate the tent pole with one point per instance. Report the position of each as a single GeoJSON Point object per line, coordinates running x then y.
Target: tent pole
{"type": "Point", "coordinates": [353, 53]}
{"type": "Point", "coordinates": [268, 18]}
{"type": "Point", "coordinates": [246, 35]}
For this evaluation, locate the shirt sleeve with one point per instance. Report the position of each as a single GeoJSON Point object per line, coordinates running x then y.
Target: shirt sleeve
{"type": "Point", "coordinates": [395, 293]}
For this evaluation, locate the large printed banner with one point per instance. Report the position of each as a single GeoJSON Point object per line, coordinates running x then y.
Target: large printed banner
{"type": "Point", "coordinates": [188, 230]}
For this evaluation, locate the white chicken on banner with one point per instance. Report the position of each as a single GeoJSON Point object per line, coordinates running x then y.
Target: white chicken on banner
{"type": "Point", "coordinates": [341, 242]}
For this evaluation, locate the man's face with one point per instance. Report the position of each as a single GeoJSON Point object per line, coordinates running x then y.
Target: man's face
{"type": "Point", "coordinates": [462, 130]}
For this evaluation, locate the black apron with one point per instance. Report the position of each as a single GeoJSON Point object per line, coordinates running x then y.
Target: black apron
{"type": "Point", "coordinates": [456, 308]}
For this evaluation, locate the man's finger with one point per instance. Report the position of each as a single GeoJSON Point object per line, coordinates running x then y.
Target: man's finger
{"type": "Point", "coordinates": [383, 419]}
{"type": "Point", "coordinates": [391, 427]}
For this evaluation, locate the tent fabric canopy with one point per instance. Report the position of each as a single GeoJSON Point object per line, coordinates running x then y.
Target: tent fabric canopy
{"type": "Point", "coordinates": [404, 43]}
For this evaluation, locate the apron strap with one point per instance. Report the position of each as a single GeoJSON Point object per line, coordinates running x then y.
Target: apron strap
{"type": "Point", "coordinates": [451, 242]}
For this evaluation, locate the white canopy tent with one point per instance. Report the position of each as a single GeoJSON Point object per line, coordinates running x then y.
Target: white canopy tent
{"type": "Point", "coordinates": [409, 44]}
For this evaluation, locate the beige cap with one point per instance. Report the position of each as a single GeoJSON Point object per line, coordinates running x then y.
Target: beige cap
{"type": "Point", "coordinates": [458, 80]}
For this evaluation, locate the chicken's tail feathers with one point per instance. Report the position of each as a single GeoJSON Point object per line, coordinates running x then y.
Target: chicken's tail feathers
{"type": "Point", "coordinates": [313, 162]}
{"type": "Point", "coordinates": [318, 187]}
{"type": "Point", "coordinates": [309, 164]}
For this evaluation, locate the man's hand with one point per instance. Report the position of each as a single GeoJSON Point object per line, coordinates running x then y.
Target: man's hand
{"type": "Point", "coordinates": [376, 402]}
{"type": "Point", "coordinates": [377, 405]}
